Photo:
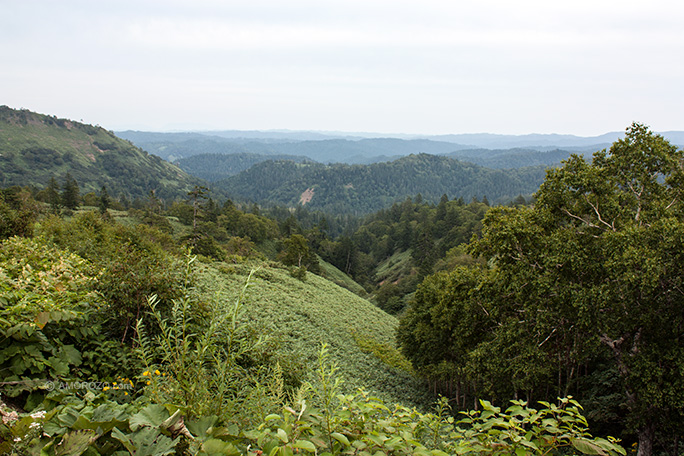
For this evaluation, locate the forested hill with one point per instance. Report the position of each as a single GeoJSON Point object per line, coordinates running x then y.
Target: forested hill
{"type": "Point", "coordinates": [213, 167]}
{"type": "Point", "coordinates": [360, 189]}
{"type": "Point", "coordinates": [513, 158]}
{"type": "Point", "coordinates": [35, 148]}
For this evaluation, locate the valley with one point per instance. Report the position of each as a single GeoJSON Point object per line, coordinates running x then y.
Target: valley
{"type": "Point", "coordinates": [277, 300]}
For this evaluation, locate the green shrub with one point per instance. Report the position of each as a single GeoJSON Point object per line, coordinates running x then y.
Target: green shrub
{"type": "Point", "coordinates": [363, 425]}
{"type": "Point", "coordinates": [47, 296]}
{"type": "Point", "coordinates": [133, 266]}
{"type": "Point", "coordinates": [207, 368]}
{"type": "Point", "coordinates": [18, 212]}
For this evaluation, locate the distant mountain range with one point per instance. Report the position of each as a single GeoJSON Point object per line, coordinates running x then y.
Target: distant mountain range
{"type": "Point", "coordinates": [331, 147]}
{"type": "Point", "coordinates": [336, 172]}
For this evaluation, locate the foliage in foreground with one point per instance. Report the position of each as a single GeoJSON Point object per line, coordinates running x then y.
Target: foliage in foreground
{"type": "Point", "coordinates": [202, 383]}
{"type": "Point", "coordinates": [319, 421]}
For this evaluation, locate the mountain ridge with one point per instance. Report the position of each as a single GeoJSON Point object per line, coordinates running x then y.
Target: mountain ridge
{"type": "Point", "coordinates": [463, 140]}
{"type": "Point", "coordinates": [36, 147]}
{"type": "Point", "coordinates": [373, 148]}
{"type": "Point", "coordinates": [359, 189]}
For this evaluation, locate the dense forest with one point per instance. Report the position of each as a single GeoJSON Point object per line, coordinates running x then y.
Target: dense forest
{"type": "Point", "coordinates": [362, 189]}
{"type": "Point", "coordinates": [216, 166]}
{"type": "Point", "coordinates": [213, 167]}
{"type": "Point", "coordinates": [438, 324]}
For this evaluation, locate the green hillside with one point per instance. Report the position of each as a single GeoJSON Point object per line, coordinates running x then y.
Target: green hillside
{"type": "Point", "coordinates": [333, 274]}
{"type": "Point", "coordinates": [361, 189]}
{"type": "Point", "coordinates": [300, 316]}
{"type": "Point", "coordinates": [35, 147]}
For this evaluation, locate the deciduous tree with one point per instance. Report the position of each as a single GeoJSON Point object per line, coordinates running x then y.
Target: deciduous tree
{"type": "Point", "coordinates": [591, 272]}
{"type": "Point", "coordinates": [600, 254]}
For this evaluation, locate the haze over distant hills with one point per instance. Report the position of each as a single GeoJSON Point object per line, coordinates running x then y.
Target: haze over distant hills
{"type": "Point", "coordinates": [463, 140]}
{"type": "Point", "coordinates": [351, 148]}
{"type": "Point", "coordinates": [285, 166]}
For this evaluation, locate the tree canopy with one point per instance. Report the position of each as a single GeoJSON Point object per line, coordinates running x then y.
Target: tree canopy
{"type": "Point", "coordinates": [585, 283]}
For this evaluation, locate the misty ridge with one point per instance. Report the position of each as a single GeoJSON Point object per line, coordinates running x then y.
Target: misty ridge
{"type": "Point", "coordinates": [485, 149]}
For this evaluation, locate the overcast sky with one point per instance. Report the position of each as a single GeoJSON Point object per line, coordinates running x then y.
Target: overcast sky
{"type": "Point", "coordinates": [581, 67]}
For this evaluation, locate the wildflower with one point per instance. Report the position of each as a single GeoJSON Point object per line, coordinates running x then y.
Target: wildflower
{"type": "Point", "coordinates": [146, 373]}
{"type": "Point", "coordinates": [105, 388]}
{"type": "Point", "coordinates": [149, 382]}
{"type": "Point", "coordinates": [156, 372]}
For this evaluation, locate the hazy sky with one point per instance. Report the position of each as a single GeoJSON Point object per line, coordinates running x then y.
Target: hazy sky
{"type": "Point", "coordinates": [500, 66]}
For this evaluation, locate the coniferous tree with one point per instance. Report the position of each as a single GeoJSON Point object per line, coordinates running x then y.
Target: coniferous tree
{"type": "Point", "coordinates": [105, 201]}
{"type": "Point", "coordinates": [197, 194]}
{"type": "Point", "coordinates": [70, 193]}
{"type": "Point", "coordinates": [53, 198]}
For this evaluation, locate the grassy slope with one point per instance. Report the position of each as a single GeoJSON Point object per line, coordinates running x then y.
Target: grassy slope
{"type": "Point", "coordinates": [394, 267]}
{"type": "Point", "coordinates": [333, 274]}
{"type": "Point", "coordinates": [300, 316]}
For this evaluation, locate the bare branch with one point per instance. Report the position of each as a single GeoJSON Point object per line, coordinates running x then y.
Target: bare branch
{"type": "Point", "coordinates": [547, 337]}
{"type": "Point", "coordinates": [613, 344]}
{"type": "Point", "coordinates": [598, 214]}
{"type": "Point", "coordinates": [586, 222]}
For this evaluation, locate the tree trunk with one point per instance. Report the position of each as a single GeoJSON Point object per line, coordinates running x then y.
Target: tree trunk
{"type": "Point", "coordinates": [646, 435]}
{"type": "Point", "coordinates": [675, 451]}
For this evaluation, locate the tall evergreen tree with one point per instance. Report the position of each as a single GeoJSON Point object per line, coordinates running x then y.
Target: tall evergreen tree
{"type": "Point", "coordinates": [70, 193]}
{"type": "Point", "coordinates": [53, 198]}
{"type": "Point", "coordinates": [105, 201]}
{"type": "Point", "coordinates": [197, 195]}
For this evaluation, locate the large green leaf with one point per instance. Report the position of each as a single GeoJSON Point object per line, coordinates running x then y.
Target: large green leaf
{"type": "Point", "coordinates": [153, 415]}
{"type": "Point", "coordinates": [200, 427]}
{"type": "Point", "coordinates": [218, 447]}
{"type": "Point", "coordinates": [587, 447]}
{"type": "Point", "coordinates": [146, 442]}
{"type": "Point", "coordinates": [75, 443]}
